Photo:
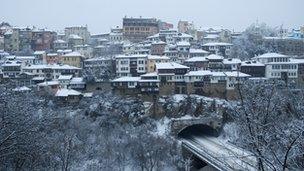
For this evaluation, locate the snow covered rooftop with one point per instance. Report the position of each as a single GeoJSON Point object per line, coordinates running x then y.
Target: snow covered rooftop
{"type": "Point", "coordinates": [74, 36]}
{"type": "Point", "coordinates": [199, 73]}
{"type": "Point", "coordinates": [131, 56]}
{"type": "Point", "coordinates": [54, 66]}
{"type": "Point", "coordinates": [197, 59]}
{"type": "Point", "coordinates": [170, 65]}
{"type": "Point", "coordinates": [159, 43]}
{"type": "Point", "coordinates": [232, 61]}
{"type": "Point", "coordinates": [65, 77]}
{"type": "Point", "coordinates": [198, 51]}
{"type": "Point", "coordinates": [158, 57]}
{"type": "Point", "coordinates": [67, 92]}
{"type": "Point", "coordinates": [236, 74]}
{"type": "Point", "coordinates": [23, 88]}
{"type": "Point", "coordinates": [214, 57]}
{"type": "Point", "coordinates": [183, 43]}
{"type": "Point", "coordinates": [251, 63]}
{"type": "Point", "coordinates": [59, 41]}
{"type": "Point", "coordinates": [39, 52]}
{"type": "Point", "coordinates": [38, 78]}
{"type": "Point", "coordinates": [77, 80]}
{"type": "Point", "coordinates": [52, 54]}
{"type": "Point", "coordinates": [48, 83]}
{"type": "Point", "coordinates": [97, 59]}
{"type": "Point", "coordinates": [152, 74]}
{"type": "Point", "coordinates": [217, 44]}
{"type": "Point", "coordinates": [272, 55]}
{"type": "Point", "coordinates": [211, 36]}
{"type": "Point", "coordinates": [73, 54]}
{"type": "Point", "coordinates": [127, 79]}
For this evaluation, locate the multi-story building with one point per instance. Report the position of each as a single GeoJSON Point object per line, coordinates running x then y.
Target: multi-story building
{"type": "Point", "coordinates": [218, 48]}
{"type": "Point", "coordinates": [25, 40]}
{"type": "Point", "coordinates": [197, 63]}
{"type": "Point", "coordinates": [11, 69]}
{"type": "Point", "coordinates": [131, 65]}
{"type": "Point", "coordinates": [171, 76]}
{"type": "Point", "coordinates": [197, 53]}
{"type": "Point", "coordinates": [84, 50]}
{"type": "Point", "coordinates": [73, 59]}
{"type": "Point", "coordinates": [278, 66]}
{"type": "Point", "coordinates": [50, 72]}
{"type": "Point", "coordinates": [158, 48]}
{"type": "Point", "coordinates": [153, 59]}
{"type": "Point", "coordinates": [52, 58]}
{"type": "Point", "coordinates": [81, 31]}
{"type": "Point", "coordinates": [138, 29]}
{"type": "Point", "coordinates": [60, 45]}
{"type": "Point", "coordinates": [253, 68]}
{"type": "Point", "coordinates": [75, 40]}
{"type": "Point", "coordinates": [40, 57]}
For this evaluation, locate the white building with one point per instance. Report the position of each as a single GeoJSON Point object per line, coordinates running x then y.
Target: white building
{"type": "Point", "coordinates": [278, 66]}
{"type": "Point", "coordinates": [131, 65]}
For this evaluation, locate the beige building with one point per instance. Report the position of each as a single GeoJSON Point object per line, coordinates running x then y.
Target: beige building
{"type": "Point", "coordinates": [152, 60]}
{"type": "Point", "coordinates": [73, 59]}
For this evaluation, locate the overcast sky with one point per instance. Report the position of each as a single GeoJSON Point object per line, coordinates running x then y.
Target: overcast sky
{"type": "Point", "coordinates": [101, 15]}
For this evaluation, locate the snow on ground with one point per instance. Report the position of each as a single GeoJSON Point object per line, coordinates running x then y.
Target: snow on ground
{"type": "Point", "coordinates": [180, 97]}
{"type": "Point", "coordinates": [163, 127]}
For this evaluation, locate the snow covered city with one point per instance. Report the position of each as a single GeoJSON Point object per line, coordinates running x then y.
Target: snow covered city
{"type": "Point", "coordinates": [161, 85]}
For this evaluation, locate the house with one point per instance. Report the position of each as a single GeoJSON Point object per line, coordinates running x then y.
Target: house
{"type": "Point", "coordinates": [153, 59]}
{"type": "Point", "coordinates": [253, 68]}
{"type": "Point", "coordinates": [73, 59]}
{"type": "Point", "coordinates": [149, 83]}
{"type": "Point", "coordinates": [11, 69]}
{"type": "Point", "coordinates": [52, 58]}
{"type": "Point", "coordinates": [48, 87]}
{"type": "Point", "coordinates": [197, 63]}
{"type": "Point", "coordinates": [60, 45]}
{"type": "Point", "coordinates": [171, 76]}
{"type": "Point", "coordinates": [126, 85]}
{"type": "Point", "coordinates": [279, 66]}
{"type": "Point", "coordinates": [77, 83]}
{"type": "Point", "coordinates": [40, 57]}
{"type": "Point", "coordinates": [131, 65]}
{"type": "Point", "coordinates": [50, 72]}
{"type": "Point", "coordinates": [65, 80]}
{"type": "Point", "coordinates": [197, 52]}
{"type": "Point", "coordinates": [158, 48]}
{"type": "Point", "coordinates": [218, 48]}
{"type": "Point", "coordinates": [67, 96]}
{"type": "Point", "coordinates": [232, 64]}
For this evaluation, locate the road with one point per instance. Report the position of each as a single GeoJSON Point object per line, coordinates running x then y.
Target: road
{"type": "Point", "coordinates": [219, 153]}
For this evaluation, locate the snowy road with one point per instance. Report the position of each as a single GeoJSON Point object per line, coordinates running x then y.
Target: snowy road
{"type": "Point", "coordinates": [221, 155]}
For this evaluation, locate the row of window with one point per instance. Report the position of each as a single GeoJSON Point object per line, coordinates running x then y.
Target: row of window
{"type": "Point", "coordinates": [276, 67]}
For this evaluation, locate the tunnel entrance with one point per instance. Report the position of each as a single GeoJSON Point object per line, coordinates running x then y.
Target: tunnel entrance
{"type": "Point", "coordinates": [198, 130]}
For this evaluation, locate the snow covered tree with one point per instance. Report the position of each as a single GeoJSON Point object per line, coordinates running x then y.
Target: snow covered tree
{"type": "Point", "coordinates": [269, 122]}
{"type": "Point", "coordinates": [250, 43]}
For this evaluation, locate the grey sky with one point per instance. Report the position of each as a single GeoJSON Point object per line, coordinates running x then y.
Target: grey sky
{"type": "Point", "coordinates": [100, 15]}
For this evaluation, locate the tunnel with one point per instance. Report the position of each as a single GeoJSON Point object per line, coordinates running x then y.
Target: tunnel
{"type": "Point", "coordinates": [199, 129]}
